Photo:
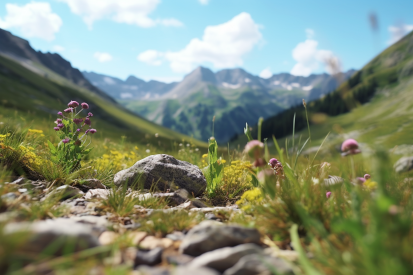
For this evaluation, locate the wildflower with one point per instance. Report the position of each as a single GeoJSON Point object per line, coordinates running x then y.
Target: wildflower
{"type": "Point", "coordinates": [60, 125]}
{"type": "Point", "coordinates": [367, 176]}
{"type": "Point", "coordinates": [92, 131]}
{"type": "Point", "coordinates": [148, 151]}
{"type": "Point", "coordinates": [156, 135]}
{"type": "Point", "coordinates": [68, 110]}
{"type": "Point", "coordinates": [370, 185]}
{"type": "Point", "coordinates": [196, 149]}
{"type": "Point", "coordinates": [34, 131]}
{"type": "Point", "coordinates": [361, 180]}
{"type": "Point", "coordinates": [85, 105]}
{"type": "Point", "coordinates": [60, 113]}
{"type": "Point", "coordinates": [73, 104]}
{"type": "Point", "coordinates": [59, 121]}
{"type": "Point", "coordinates": [315, 180]}
{"type": "Point", "coordinates": [78, 120]}
{"type": "Point", "coordinates": [204, 155]}
{"type": "Point", "coordinates": [78, 130]}
{"type": "Point", "coordinates": [56, 128]}
{"type": "Point", "coordinates": [350, 147]}
{"type": "Point", "coordinates": [328, 194]}
{"type": "Point", "coordinates": [273, 162]}
{"type": "Point", "coordinates": [136, 148]}
{"type": "Point", "coordinates": [87, 131]}
{"type": "Point", "coordinates": [66, 140]}
{"type": "Point", "coordinates": [87, 121]}
{"type": "Point", "coordinates": [89, 114]}
{"type": "Point", "coordinates": [180, 144]}
{"type": "Point", "coordinates": [254, 149]}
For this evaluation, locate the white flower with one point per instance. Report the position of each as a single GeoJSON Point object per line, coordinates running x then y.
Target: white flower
{"type": "Point", "coordinates": [315, 181]}
{"type": "Point", "coordinates": [148, 151]}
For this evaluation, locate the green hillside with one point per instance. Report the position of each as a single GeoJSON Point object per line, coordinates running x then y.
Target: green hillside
{"type": "Point", "coordinates": [374, 106]}
{"type": "Point", "coordinates": [39, 96]}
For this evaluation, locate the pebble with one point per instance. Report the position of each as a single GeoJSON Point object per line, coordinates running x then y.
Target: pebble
{"type": "Point", "coordinates": [211, 235]}
{"type": "Point", "coordinates": [255, 264]}
{"type": "Point", "coordinates": [223, 258]}
{"type": "Point", "coordinates": [108, 237]}
{"type": "Point", "coordinates": [137, 237]}
{"type": "Point", "coordinates": [151, 257]}
{"type": "Point", "coordinates": [151, 242]}
{"type": "Point", "coordinates": [64, 192]}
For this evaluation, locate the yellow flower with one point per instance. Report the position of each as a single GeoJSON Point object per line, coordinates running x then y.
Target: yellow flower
{"type": "Point", "coordinates": [370, 185]}
{"type": "Point", "coordinates": [136, 148]}
{"type": "Point", "coordinates": [204, 155]}
{"type": "Point", "coordinates": [34, 131]}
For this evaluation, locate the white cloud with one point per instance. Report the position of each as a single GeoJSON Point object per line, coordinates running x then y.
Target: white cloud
{"type": "Point", "coordinates": [151, 57]}
{"type": "Point", "coordinates": [223, 45]}
{"type": "Point", "coordinates": [266, 73]}
{"type": "Point", "coordinates": [203, 2]}
{"type": "Point", "coordinates": [309, 57]}
{"type": "Point", "coordinates": [58, 48]}
{"type": "Point", "coordinates": [397, 32]}
{"type": "Point", "coordinates": [34, 19]}
{"type": "Point", "coordinates": [133, 12]}
{"type": "Point", "coordinates": [102, 57]}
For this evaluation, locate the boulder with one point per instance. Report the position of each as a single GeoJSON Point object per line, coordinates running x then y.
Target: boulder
{"type": "Point", "coordinates": [164, 172]}
{"type": "Point", "coordinates": [210, 235]}
{"type": "Point", "coordinates": [151, 257]}
{"type": "Point", "coordinates": [54, 237]}
{"type": "Point", "coordinates": [404, 164]}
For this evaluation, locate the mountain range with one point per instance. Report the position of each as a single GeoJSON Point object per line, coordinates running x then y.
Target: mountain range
{"type": "Point", "coordinates": [232, 96]}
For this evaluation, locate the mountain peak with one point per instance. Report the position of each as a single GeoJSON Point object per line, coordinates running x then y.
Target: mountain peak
{"type": "Point", "coordinates": [201, 74]}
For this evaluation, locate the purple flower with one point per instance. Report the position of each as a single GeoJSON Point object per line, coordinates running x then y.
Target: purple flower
{"type": "Point", "coordinates": [60, 113]}
{"type": "Point", "coordinates": [367, 176]}
{"type": "Point", "coordinates": [92, 131]}
{"type": "Point", "coordinates": [68, 110]}
{"type": "Point", "coordinates": [56, 128]}
{"type": "Point", "coordinates": [350, 147]}
{"type": "Point", "coordinates": [87, 121]}
{"type": "Point", "coordinates": [90, 114]}
{"type": "Point", "coordinates": [66, 140]}
{"type": "Point", "coordinates": [87, 131]}
{"type": "Point", "coordinates": [59, 120]}
{"type": "Point", "coordinates": [73, 104]}
{"type": "Point", "coordinates": [85, 105]}
{"type": "Point", "coordinates": [328, 194]}
{"type": "Point", "coordinates": [60, 125]}
{"type": "Point", "coordinates": [254, 148]}
{"type": "Point", "coordinates": [361, 180]}
{"type": "Point", "coordinates": [78, 120]}
{"type": "Point", "coordinates": [78, 130]}
{"type": "Point", "coordinates": [273, 162]}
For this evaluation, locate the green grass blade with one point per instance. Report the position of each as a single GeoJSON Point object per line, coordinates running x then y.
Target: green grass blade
{"type": "Point", "coordinates": [319, 149]}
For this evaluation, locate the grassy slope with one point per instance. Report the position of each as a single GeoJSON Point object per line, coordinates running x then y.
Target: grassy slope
{"type": "Point", "coordinates": [386, 120]}
{"type": "Point", "coordinates": [44, 96]}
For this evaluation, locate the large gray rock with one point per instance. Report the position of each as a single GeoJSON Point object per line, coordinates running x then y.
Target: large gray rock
{"type": "Point", "coordinates": [53, 237]}
{"type": "Point", "coordinates": [404, 164]}
{"type": "Point", "coordinates": [210, 235]}
{"type": "Point", "coordinates": [165, 172]}
{"type": "Point", "coordinates": [255, 264]}
{"type": "Point", "coordinates": [224, 258]}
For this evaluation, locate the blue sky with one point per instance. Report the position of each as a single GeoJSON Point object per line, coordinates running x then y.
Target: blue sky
{"type": "Point", "coordinates": [164, 40]}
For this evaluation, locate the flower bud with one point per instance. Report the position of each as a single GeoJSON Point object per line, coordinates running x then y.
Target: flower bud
{"type": "Point", "coordinates": [60, 125]}
{"type": "Point", "coordinates": [56, 128]}
{"type": "Point", "coordinates": [92, 131]}
{"type": "Point", "coordinates": [254, 149]}
{"type": "Point", "coordinates": [60, 113]}
{"type": "Point", "coordinates": [85, 105]}
{"type": "Point", "coordinates": [68, 110]}
{"type": "Point", "coordinates": [350, 147]}
{"type": "Point", "coordinates": [328, 195]}
{"type": "Point", "coordinates": [87, 121]}
{"type": "Point", "coordinates": [73, 104]}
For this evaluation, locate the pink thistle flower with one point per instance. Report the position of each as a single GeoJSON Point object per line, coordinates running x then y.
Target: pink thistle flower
{"type": "Point", "coordinates": [85, 105]}
{"type": "Point", "coordinates": [350, 147]}
{"type": "Point", "coordinates": [73, 104]}
{"type": "Point", "coordinates": [78, 130]}
{"type": "Point", "coordinates": [254, 149]}
{"type": "Point", "coordinates": [60, 113]}
{"type": "Point", "coordinates": [78, 120]}
{"type": "Point", "coordinates": [68, 110]}
{"type": "Point", "coordinates": [328, 194]}
{"type": "Point", "coordinates": [367, 176]}
{"type": "Point", "coordinates": [92, 131]}
{"type": "Point", "coordinates": [273, 162]}
{"type": "Point", "coordinates": [87, 121]}
{"type": "Point", "coordinates": [60, 125]}
{"type": "Point", "coordinates": [361, 180]}
{"type": "Point", "coordinates": [90, 114]}
{"type": "Point", "coordinates": [56, 129]}
{"type": "Point", "coordinates": [66, 140]}
{"type": "Point", "coordinates": [59, 120]}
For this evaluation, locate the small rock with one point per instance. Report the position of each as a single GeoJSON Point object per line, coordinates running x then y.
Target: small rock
{"type": "Point", "coordinates": [87, 184]}
{"type": "Point", "coordinates": [151, 257]}
{"type": "Point", "coordinates": [174, 199]}
{"type": "Point", "coordinates": [19, 181]}
{"type": "Point", "coordinates": [209, 236]}
{"type": "Point", "coordinates": [65, 192]}
{"type": "Point", "coordinates": [223, 258]}
{"type": "Point", "coordinates": [404, 164]}
{"type": "Point", "coordinates": [22, 190]}
{"type": "Point", "coordinates": [9, 196]}
{"type": "Point", "coordinates": [176, 236]}
{"type": "Point", "coordinates": [259, 265]}
{"type": "Point", "coordinates": [62, 233]}
{"type": "Point", "coordinates": [166, 172]}
{"type": "Point", "coordinates": [180, 259]}
{"type": "Point", "coordinates": [108, 237]}
{"type": "Point", "coordinates": [198, 203]}
{"type": "Point", "coordinates": [137, 237]}
{"type": "Point", "coordinates": [151, 242]}
{"type": "Point", "coordinates": [97, 194]}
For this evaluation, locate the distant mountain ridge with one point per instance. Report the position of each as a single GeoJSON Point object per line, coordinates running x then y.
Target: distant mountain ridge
{"type": "Point", "coordinates": [233, 96]}
{"type": "Point", "coordinates": [19, 49]}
